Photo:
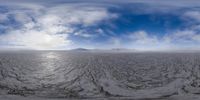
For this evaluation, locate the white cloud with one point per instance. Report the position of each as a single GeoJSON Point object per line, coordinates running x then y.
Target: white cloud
{"type": "Point", "coordinates": [141, 37]}
{"type": "Point", "coordinates": [84, 34]}
{"type": "Point", "coordinates": [139, 40]}
{"type": "Point", "coordinates": [185, 36]}
{"type": "Point", "coordinates": [193, 15]}
{"type": "Point", "coordinates": [142, 40]}
{"type": "Point", "coordinates": [3, 17]}
{"type": "Point", "coordinates": [87, 15]}
{"type": "Point", "coordinates": [115, 42]}
{"type": "Point", "coordinates": [182, 39]}
{"type": "Point", "coordinates": [50, 27]}
{"type": "Point", "coordinates": [34, 39]}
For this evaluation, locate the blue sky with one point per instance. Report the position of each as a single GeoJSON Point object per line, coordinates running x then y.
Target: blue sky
{"type": "Point", "coordinates": [132, 24]}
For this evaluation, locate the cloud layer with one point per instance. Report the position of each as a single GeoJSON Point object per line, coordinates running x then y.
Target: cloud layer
{"type": "Point", "coordinates": [134, 24]}
{"type": "Point", "coordinates": [48, 27]}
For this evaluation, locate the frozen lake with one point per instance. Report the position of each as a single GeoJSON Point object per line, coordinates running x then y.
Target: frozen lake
{"type": "Point", "coordinates": [89, 75]}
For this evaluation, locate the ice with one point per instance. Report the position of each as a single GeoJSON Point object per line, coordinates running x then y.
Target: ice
{"type": "Point", "coordinates": [101, 75]}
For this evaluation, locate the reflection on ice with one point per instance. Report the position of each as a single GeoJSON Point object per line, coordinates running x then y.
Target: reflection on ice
{"type": "Point", "coordinates": [50, 68]}
{"type": "Point", "coordinates": [50, 60]}
{"type": "Point", "coordinates": [51, 55]}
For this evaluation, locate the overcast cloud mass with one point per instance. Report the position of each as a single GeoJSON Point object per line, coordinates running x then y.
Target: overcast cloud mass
{"type": "Point", "coordinates": [132, 24]}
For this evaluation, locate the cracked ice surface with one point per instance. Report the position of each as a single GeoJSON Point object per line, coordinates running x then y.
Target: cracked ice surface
{"type": "Point", "coordinates": [62, 74]}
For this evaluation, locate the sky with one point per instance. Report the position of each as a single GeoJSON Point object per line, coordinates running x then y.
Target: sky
{"type": "Point", "coordinates": [100, 24]}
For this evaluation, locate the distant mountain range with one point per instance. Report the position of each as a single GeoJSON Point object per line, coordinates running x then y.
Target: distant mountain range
{"type": "Point", "coordinates": [108, 50]}
{"type": "Point", "coordinates": [122, 49]}
{"type": "Point", "coordinates": [80, 49]}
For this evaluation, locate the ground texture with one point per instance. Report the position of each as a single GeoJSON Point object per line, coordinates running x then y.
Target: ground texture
{"type": "Point", "coordinates": [40, 75]}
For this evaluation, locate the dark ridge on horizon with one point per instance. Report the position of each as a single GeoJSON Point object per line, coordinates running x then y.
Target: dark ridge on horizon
{"type": "Point", "coordinates": [80, 49]}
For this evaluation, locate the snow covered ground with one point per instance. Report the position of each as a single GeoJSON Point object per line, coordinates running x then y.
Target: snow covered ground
{"type": "Point", "coordinates": [57, 75]}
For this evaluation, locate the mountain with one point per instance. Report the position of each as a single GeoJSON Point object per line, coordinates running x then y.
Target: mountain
{"type": "Point", "coordinates": [80, 49]}
{"type": "Point", "coordinates": [105, 50]}
{"type": "Point", "coordinates": [122, 50]}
